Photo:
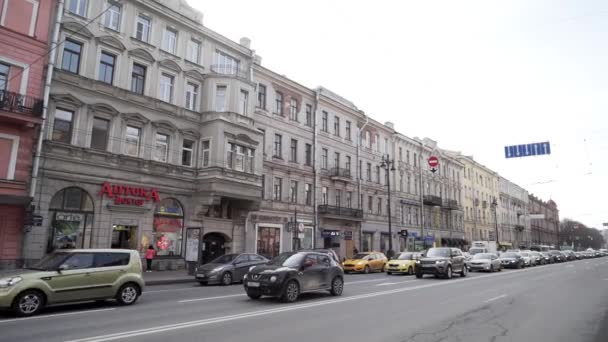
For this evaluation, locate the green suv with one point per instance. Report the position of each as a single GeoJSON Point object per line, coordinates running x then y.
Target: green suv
{"type": "Point", "coordinates": [73, 276]}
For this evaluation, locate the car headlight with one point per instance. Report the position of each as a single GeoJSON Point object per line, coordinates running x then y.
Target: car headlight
{"type": "Point", "coordinates": [440, 262]}
{"type": "Point", "coordinates": [417, 261]}
{"type": "Point", "coordinates": [273, 279]}
{"type": "Point", "coordinates": [217, 269]}
{"type": "Point", "coordinates": [245, 276]}
{"type": "Point", "coordinates": [8, 282]}
{"type": "Point", "coordinates": [250, 268]}
{"type": "Point", "coordinates": [360, 262]}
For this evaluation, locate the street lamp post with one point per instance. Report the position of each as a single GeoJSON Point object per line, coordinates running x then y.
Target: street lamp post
{"type": "Point", "coordinates": [389, 165]}
{"type": "Point", "coordinates": [495, 205]}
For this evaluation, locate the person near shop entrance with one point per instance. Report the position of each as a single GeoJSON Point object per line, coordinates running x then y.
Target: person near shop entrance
{"type": "Point", "coordinates": [150, 254]}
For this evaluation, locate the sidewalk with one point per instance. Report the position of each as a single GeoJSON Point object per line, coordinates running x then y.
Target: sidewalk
{"type": "Point", "coordinates": [168, 277]}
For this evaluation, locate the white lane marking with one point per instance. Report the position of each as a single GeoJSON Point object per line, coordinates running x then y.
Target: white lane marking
{"type": "Point", "coordinates": [177, 289]}
{"type": "Point", "coordinates": [365, 281]}
{"type": "Point", "coordinates": [386, 284]}
{"type": "Point", "coordinates": [569, 266]}
{"type": "Point", "coordinates": [171, 327]}
{"type": "Point", "coordinates": [55, 315]}
{"type": "Point", "coordinates": [495, 298]}
{"type": "Point", "coordinates": [209, 298]}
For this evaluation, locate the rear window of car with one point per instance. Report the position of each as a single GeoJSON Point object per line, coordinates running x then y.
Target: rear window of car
{"type": "Point", "coordinates": [111, 259]}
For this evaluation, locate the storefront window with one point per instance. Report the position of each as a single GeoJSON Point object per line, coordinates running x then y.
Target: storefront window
{"type": "Point", "coordinates": [168, 227]}
{"type": "Point", "coordinates": [269, 242]}
{"type": "Point", "coordinates": [367, 242]}
{"type": "Point", "coordinates": [71, 212]}
{"type": "Point", "coordinates": [384, 243]}
{"type": "Point", "coordinates": [307, 240]}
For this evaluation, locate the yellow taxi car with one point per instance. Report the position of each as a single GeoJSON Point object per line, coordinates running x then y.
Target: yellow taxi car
{"type": "Point", "coordinates": [365, 262]}
{"type": "Point", "coordinates": [404, 262]}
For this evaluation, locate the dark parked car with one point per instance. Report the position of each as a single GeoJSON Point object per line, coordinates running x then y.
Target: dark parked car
{"type": "Point", "coordinates": [292, 273]}
{"type": "Point", "coordinates": [330, 252]}
{"type": "Point", "coordinates": [512, 260]}
{"type": "Point", "coordinates": [569, 255]}
{"type": "Point", "coordinates": [557, 255]}
{"type": "Point", "coordinates": [442, 261]}
{"type": "Point", "coordinates": [547, 258]}
{"type": "Point", "coordinates": [228, 268]}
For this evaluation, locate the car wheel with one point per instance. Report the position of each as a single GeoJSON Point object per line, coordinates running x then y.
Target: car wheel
{"type": "Point", "coordinates": [389, 273]}
{"type": "Point", "coordinates": [253, 295]}
{"type": "Point", "coordinates": [463, 273]}
{"type": "Point", "coordinates": [226, 278]}
{"type": "Point", "coordinates": [292, 291]}
{"type": "Point", "coordinates": [28, 303]}
{"type": "Point", "coordinates": [410, 270]}
{"type": "Point", "coordinates": [418, 275]}
{"type": "Point", "coordinates": [366, 269]}
{"type": "Point", "coordinates": [128, 294]}
{"type": "Point", "coordinates": [337, 286]}
{"type": "Point", "coordinates": [519, 265]}
{"type": "Point", "coordinates": [448, 273]}
{"type": "Point", "coordinates": [383, 268]}
{"type": "Point", "coordinates": [203, 283]}
{"type": "Point", "coordinates": [500, 268]}
{"type": "Point", "coordinates": [491, 268]}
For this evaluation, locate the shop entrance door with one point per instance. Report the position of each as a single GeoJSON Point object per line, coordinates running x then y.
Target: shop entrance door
{"type": "Point", "coordinates": [124, 237]}
{"type": "Point", "coordinates": [213, 246]}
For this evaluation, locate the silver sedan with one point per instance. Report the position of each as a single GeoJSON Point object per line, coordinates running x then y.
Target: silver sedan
{"type": "Point", "coordinates": [485, 262]}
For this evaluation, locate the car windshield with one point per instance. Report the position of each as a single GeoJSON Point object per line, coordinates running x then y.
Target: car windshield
{"type": "Point", "coordinates": [405, 256]}
{"type": "Point", "coordinates": [482, 256]}
{"type": "Point", "coordinates": [438, 252]}
{"type": "Point", "coordinates": [524, 254]}
{"type": "Point", "coordinates": [360, 256]}
{"type": "Point", "coordinates": [287, 260]}
{"type": "Point", "coordinates": [474, 251]}
{"type": "Point", "coordinates": [225, 259]}
{"type": "Point", "coordinates": [510, 255]}
{"type": "Point", "coordinates": [50, 262]}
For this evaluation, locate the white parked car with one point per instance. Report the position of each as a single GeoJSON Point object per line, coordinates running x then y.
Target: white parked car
{"type": "Point", "coordinates": [527, 259]}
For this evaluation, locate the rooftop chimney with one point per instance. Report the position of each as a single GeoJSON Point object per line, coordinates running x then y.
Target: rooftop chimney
{"type": "Point", "coordinates": [246, 42]}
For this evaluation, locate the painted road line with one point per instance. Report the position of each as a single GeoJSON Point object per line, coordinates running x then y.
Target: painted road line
{"type": "Point", "coordinates": [386, 284]}
{"type": "Point", "coordinates": [251, 314]}
{"type": "Point", "coordinates": [174, 290]}
{"type": "Point", "coordinates": [495, 298]}
{"type": "Point", "coordinates": [365, 281]}
{"type": "Point", "coordinates": [54, 315]}
{"type": "Point", "coordinates": [569, 266]}
{"type": "Point", "coordinates": [210, 298]}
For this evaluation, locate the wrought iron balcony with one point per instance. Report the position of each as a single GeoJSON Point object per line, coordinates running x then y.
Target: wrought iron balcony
{"type": "Point", "coordinates": [432, 200]}
{"type": "Point", "coordinates": [451, 204]}
{"type": "Point", "coordinates": [331, 210]}
{"type": "Point", "coordinates": [519, 227]}
{"type": "Point", "coordinates": [338, 173]}
{"type": "Point", "coordinates": [225, 69]}
{"type": "Point", "coordinates": [17, 103]}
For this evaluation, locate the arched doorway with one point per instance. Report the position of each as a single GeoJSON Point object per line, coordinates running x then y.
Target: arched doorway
{"type": "Point", "coordinates": [71, 212]}
{"type": "Point", "coordinates": [214, 245]}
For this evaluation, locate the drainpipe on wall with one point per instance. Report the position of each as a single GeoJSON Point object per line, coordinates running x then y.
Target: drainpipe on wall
{"type": "Point", "coordinates": [315, 223]}
{"type": "Point", "coordinates": [361, 130]}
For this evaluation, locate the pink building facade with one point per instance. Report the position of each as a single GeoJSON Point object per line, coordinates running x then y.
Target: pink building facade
{"type": "Point", "coordinates": [25, 33]}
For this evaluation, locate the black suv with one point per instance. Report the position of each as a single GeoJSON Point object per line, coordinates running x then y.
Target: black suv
{"type": "Point", "coordinates": [442, 261]}
{"type": "Point", "coordinates": [291, 273]}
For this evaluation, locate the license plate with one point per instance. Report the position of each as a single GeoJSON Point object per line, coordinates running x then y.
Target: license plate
{"type": "Point", "coordinates": [253, 284]}
{"type": "Point", "coordinates": [200, 275]}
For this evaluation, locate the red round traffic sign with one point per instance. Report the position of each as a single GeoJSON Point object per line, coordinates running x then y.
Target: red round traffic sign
{"type": "Point", "coordinates": [433, 161]}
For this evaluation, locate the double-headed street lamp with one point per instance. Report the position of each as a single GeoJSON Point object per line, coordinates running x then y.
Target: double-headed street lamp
{"type": "Point", "coordinates": [389, 165]}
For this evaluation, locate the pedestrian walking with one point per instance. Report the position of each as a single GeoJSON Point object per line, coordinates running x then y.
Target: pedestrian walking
{"type": "Point", "coordinates": [150, 254]}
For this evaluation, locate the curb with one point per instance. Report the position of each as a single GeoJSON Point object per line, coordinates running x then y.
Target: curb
{"type": "Point", "coordinates": [170, 281]}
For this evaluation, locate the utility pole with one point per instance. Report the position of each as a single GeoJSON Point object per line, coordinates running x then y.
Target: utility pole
{"type": "Point", "coordinates": [389, 165]}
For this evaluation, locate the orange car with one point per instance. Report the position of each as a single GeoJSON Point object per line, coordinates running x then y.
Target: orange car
{"type": "Point", "coordinates": [366, 262]}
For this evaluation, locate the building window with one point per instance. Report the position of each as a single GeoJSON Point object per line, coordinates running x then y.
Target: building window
{"type": "Point", "coordinates": [278, 188]}
{"type": "Point", "coordinates": [106, 67]}
{"type": "Point", "coordinates": [293, 192]}
{"type": "Point", "coordinates": [132, 141]}
{"type": "Point", "coordinates": [385, 145]}
{"type": "Point", "coordinates": [407, 157]}
{"type": "Point", "coordinates": [338, 198]}
{"type": "Point", "coordinates": [324, 153]}
{"type": "Point", "coordinates": [349, 199]}
{"type": "Point", "coordinates": [378, 174]}
{"type": "Point", "coordinates": [308, 193]}
{"type": "Point", "coordinates": [379, 206]}
{"type": "Point", "coordinates": [361, 169]}
{"type": "Point", "coordinates": [166, 87]}
{"type": "Point", "coordinates": [308, 154]}
{"type": "Point", "coordinates": [78, 7]}
{"type": "Point", "coordinates": [368, 139]}
{"type": "Point", "coordinates": [187, 152]}
{"type": "Point", "coordinates": [161, 150]}
{"type": "Point", "coordinates": [99, 134]}
{"type": "Point", "coordinates": [70, 208]}
{"type": "Point", "coordinates": [62, 127]}
{"type": "Point", "coordinates": [347, 165]}
{"type": "Point", "coordinates": [348, 125]}
{"type": "Point", "coordinates": [324, 195]}
{"type": "Point", "coordinates": [415, 160]}
{"type": "Point", "coordinates": [336, 126]}
{"type": "Point", "coordinates": [401, 183]}
{"type": "Point", "coordinates": [308, 115]}
{"type": "Point", "coordinates": [261, 96]}
{"type": "Point", "coordinates": [138, 78]}
{"type": "Point", "coordinates": [370, 204]}
{"type": "Point", "coordinates": [194, 51]}
{"type": "Point", "coordinates": [142, 29]}
{"type": "Point", "coordinates": [278, 146]}
{"type": "Point", "coordinates": [293, 110]}
{"type": "Point", "coordinates": [167, 228]}
{"type": "Point", "coordinates": [377, 141]}
{"type": "Point", "coordinates": [112, 18]}
{"type": "Point", "coordinates": [409, 184]}
{"type": "Point", "coordinates": [293, 155]}
{"type": "Point", "coordinates": [191, 96]}
{"type": "Point", "coordinates": [220, 98]}
{"type": "Point", "coordinates": [169, 40]}
{"type": "Point", "coordinates": [225, 64]}
{"type": "Point", "coordinates": [400, 153]}
{"type": "Point", "coordinates": [4, 72]}
{"type": "Point", "coordinates": [243, 102]}
{"type": "Point", "coordinates": [71, 56]}
{"type": "Point", "coordinates": [336, 159]}
{"type": "Point", "coordinates": [240, 158]}
{"type": "Point", "coordinates": [206, 152]}
{"type": "Point", "coordinates": [369, 172]}
{"type": "Point", "coordinates": [367, 245]}
{"type": "Point", "coordinates": [278, 104]}
{"type": "Point", "coordinates": [324, 122]}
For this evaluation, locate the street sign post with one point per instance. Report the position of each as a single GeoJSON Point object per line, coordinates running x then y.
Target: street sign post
{"type": "Point", "coordinates": [433, 163]}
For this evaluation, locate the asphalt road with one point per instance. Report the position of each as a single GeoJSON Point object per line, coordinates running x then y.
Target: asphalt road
{"type": "Point", "coordinates": [562, 302]}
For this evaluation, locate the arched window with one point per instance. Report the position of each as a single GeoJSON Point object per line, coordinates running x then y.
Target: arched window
{"type": "Point", "coordinates": [71, 212]}
{"type": "Point", "coordinates": [168, 227]}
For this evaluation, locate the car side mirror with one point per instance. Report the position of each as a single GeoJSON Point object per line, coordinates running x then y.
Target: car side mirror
{"type": "Point", "coordinates": [62, 268]}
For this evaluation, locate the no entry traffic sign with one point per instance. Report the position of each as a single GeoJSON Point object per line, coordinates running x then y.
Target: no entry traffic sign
{"type": "Point", "coordinates": [433, 161]}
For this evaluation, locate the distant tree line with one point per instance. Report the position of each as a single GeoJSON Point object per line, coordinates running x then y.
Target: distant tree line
{"type": "Point", "coordinates": [579, 235]}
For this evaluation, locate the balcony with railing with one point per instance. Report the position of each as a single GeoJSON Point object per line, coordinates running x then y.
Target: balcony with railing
{"type": "Point", "coordinates": [340, 212]}
{"type": "Point", "coordinates": [432, 200]}
{"type": "Point", "coordinates": [451, 204]}
{"type": "Point", "coordinates": [20, 104]}
{"type": "Point", "coordinates": [338, 173]}
{"type": "Point", "coordinates": [230, 70]}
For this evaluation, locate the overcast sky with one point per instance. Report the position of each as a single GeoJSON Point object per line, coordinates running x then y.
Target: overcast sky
{"type": "Point", "coordinates": [473, 75]}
